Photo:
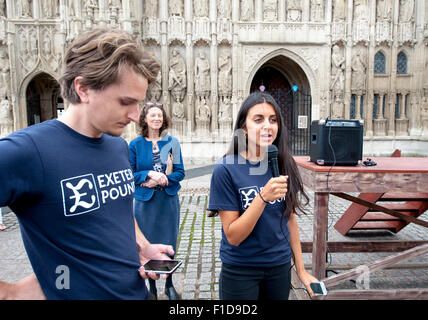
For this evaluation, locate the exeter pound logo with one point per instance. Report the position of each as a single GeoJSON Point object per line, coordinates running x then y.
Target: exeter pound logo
{"type": "Point", "coordinates": [80, 195]}
{"type": "Point", "coordinates": [247, 195]}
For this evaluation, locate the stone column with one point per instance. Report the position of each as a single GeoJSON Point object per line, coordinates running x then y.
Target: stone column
{"type": "Point", "coordinates": [348, 53]}
{"type": "Point", "coordinates": [188, 18]}
{"type": "Point", "coordinates": [214, 67]}
{"type": "Point", "coordinates": [358, 106]}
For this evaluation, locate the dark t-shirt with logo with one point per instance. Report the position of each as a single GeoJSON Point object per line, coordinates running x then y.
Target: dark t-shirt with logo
{"type": "Point", "coordinates": [73, 196]}
{"type": "Point", "coordinates": [235, 183]}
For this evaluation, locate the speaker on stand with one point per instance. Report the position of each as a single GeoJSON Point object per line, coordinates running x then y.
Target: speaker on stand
{"type": "Point", "coordinates": [336, 142]}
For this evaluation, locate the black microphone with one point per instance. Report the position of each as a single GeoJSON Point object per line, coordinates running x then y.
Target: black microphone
{"type": "Point", "coordinates": [273, 159]}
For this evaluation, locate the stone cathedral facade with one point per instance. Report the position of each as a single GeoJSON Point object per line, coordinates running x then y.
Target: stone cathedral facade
{"type": "Point", "coordinates": [348, 59]}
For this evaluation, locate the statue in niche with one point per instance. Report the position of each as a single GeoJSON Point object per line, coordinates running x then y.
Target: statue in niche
{"type": "Point", "coordinates": [2, 8]}
{"type": "Point", "coordinates": [270, 10]}
{"type": "Point", "coordinates": [115, 6]}
{"type": "Point", "coordinates": [74, 8]}
{"type": "Point", "coordinates": [151, 8]}
{"type": "Point", "coordinates": [175, 8]}
{"type": "Point", "coordinates": [406, 10]}
{"type": "Point", "coordinates": [317, 10]}
{"type": "Point", "coordinates": [337, 69]}
{"type": "Point", "coordinates": [6, 120]}
{"type": "Point", "coordinates": [25, 9]}
{"type": "Point", "coordinates": [247, 10]}
{"type": "Point", "coordinates": [177, 109]}
{"type": "Point", "coordinates": [203, 111]}
{"type": "Point", "coordinates": [4, 74]}
{"type": "Point", "coordinates": [177, 74]}
{"type": "Point", "coordinates": [47, 45]}
{"type": "Point", "coordinates": [339, 11]}
{"type": "Point", "coordinates": [224, 113]}
{"type": "Point", "coordinates": [359, 70]}
{"type": "Point", "coordinates": [294, 10]}
{"type": "Point", "coordinates": [49, 8]}
{"type": "Point", "coordinates": [156, 87]}
{"type": "Point", "coordinates": [337, 106]}
{"type": "Point", "coordinates": [224, 9]}
{"type": "Point", "coordinates": [360, 10]}
{"type": "Point", "coordinates": [201, 8]}
{"type": "Point", "coordinates": [384, 10]}
{"type": "Point", "coordinates": [225, 72]}
{"type": "Point", "coordinates": [202, 74]}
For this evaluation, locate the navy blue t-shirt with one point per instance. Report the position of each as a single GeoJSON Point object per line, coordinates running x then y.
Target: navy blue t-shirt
{"type": "Point", "coordinates": [73, 196]}
{"type": "Point", "coordinates": [235, 183]}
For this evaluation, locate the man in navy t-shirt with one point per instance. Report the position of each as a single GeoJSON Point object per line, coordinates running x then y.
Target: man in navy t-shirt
{"type": "Point", "coordinates": [70, 183]}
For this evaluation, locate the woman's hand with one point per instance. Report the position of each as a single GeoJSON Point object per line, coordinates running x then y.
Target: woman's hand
{"type": "Point", "coordinates": [149, 184]}
{"type": "Point", "coordinates": [306, 278]}
{"type": "Point", "coordinates": [159, 177]}
{"type": "Point", "coordinates": [275, 188]}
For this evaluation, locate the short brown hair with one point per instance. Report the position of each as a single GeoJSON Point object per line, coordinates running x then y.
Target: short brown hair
{"type": "Point", "coordinates": [99, 56]}
{"type": "Point", "coordinates": [166, 123]}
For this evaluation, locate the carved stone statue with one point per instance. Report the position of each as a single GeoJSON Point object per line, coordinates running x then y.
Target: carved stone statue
{"type": "Point", "coordinates": [175, 8]}
{"type": "Point", "coordinates": [2, 8]}
{"type": "Point", "coordinates": [177, 74]}
{"type": "Point", "coordinates": [49, 8]}
{"type": "Point", "coordinates": [225, 73]}
{"type": "Point", "coordinates": [406, 10]}
{"type": "Point", "coordinates": [203, 111]}
{"type": "Point", "coordinates": [360, 10]}
{"type": "Point", "coordinates": [339, 10]}
{"type": "Point", "coordinates": [25, 8]}
{"type": "Point", "coordinates": [337, 69]}
{"type": "Point", "coordinates": [294, 10]}
{"type": "Point", "coordinates": [424, 112]}
{"type": "Point", "coordinates": [151, 8]}
{"type": "Point", "coordinates": [224, 8]}
{"type": "Point", "coordinates": [4, 74]}
{"type": "Point", "coordinates": [6, 121]}
{"type": "Point", "coordinates": [247, 10]}
{"type": "Point", "coordinates": [224, 112]}
{"type": "Point", "coordinates": [270, 10]}
{"type": "Point", "coordinates": [200, 8]}
{"type": "Point", "coordinates": [359, 70]}
{"type": "Point", "coordinates": [156, 87]}
{"type": "Point", "coordinates": [337, 106]}
{"type": "Point", "coordinates": [384, 10]}
{"type": "Point", "coordinates": [177, 109]}
{"type": "Point", "coordinates": [202, 74]}
{"type": "Point", "coordinates": [317, 10]}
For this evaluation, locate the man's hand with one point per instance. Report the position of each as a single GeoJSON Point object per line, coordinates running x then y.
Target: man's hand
{"type": "Point", "coordinates": [155, 252]}
{"type": "Point", "coordinates": [25, 289]}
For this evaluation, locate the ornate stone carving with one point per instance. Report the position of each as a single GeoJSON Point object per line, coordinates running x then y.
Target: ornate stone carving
{"type": "Point", "coordinates": [203, 115]}
{"type": "Point", "coordinates": [317, 10]}
{"type": "Point", "coordinates": [177, 75]}
{"type": "Point", "coordinates": [359, 66]}
{"type": "Point", "coordinates": [294, 10]}
{"type": "Point", "coordinates": [176, 29]}
{"type": "Point", "coordinates": [25, 8]}
{"type": "Point", "coordinates": [337, 106]}
{"type": "Point", "coordinates": [176, 8]}
{"type": "Point", "coordinates": [339, 11]}
{"type": "Point", "coordinates": [337, 70]}
{"type": "Point", "coordinates": [177, 109]}
{"type": "Point", "coordinates": [201, 29]}
{"type": "Point", "coordinates": [202, 75]}
{"type": "Point", "coordinates": [225, 109]}
{"type": "Point", "coordinates": [200, 8]}
{"type": "Point", "coordinates": [247, 10]}
{"type": "Point", "coordinates": [270, 10]}
{"type": "Point", "coordinates": [2, 8]}
{"type": "Point", "coordinates": [4, 74]}
{"type": "Point", "coordinates": [384, 10]}
{"type": "Point", "coordinates": [6, 118]}
{"type": "Point", "coordinates": [424, 112]}
{"type": "Point", "coordinates": [406, 10]}
{"type": "Point", "coordinates": [225, 73]}
{"type": "Point", "coordinates": [224, 9]}
{"type": "Point", "coordinates": [151, 8]}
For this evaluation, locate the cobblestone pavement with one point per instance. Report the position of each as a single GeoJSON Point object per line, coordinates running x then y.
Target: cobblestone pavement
{"type": "Point", "coordinates": [199, 240]}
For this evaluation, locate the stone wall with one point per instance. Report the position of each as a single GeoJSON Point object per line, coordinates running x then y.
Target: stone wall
{"type": "Point", "coordinates": [363, 59]}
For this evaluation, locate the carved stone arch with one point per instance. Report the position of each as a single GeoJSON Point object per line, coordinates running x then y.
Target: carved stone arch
{"type": "Point", "coordinates": [42, 85]}
{"type": "Point", "coordinates": [306, 77]}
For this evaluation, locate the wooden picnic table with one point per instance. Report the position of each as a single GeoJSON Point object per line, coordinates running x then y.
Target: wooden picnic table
{"type": "Point", "coordinates": [402, 175]}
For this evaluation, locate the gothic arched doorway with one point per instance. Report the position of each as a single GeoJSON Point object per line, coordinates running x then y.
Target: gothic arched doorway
{"type": "Point", "coordinates": [293, 97]}
{"type": "Point", "coordinates": [43, 99]}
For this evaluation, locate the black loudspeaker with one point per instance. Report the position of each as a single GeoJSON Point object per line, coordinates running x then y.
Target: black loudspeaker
{"type": "Point", "coordinates": [336, 142]}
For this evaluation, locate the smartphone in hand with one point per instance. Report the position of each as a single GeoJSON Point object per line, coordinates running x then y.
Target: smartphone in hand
{"type": "Point", "coordinates": [162, 266]}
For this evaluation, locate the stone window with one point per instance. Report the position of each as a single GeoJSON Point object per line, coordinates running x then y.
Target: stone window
{"type": "Point", "coordinates": [379, 63]}
{"type": "Point", "coordinates": [402, 63]}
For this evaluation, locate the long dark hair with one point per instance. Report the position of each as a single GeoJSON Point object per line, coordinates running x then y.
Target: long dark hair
{"type": "Point", "coordinates": [286, 164]}
{"type": "Point", "coordinates": [144, 128]}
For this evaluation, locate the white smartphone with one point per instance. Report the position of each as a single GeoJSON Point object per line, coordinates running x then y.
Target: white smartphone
{"type": "Point", "coordinates": [318, 288]}
{"type": "Point", "coordinates": [162, 266]}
